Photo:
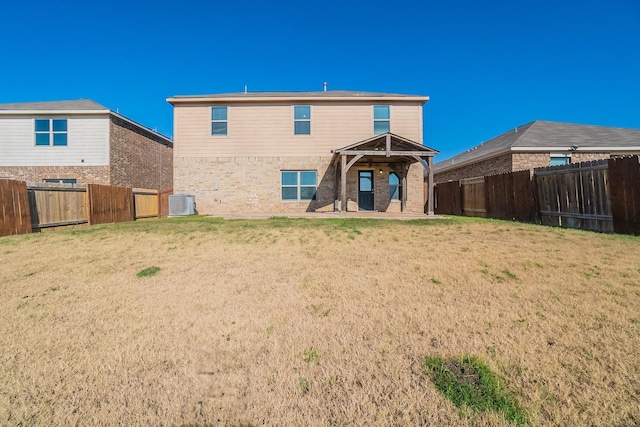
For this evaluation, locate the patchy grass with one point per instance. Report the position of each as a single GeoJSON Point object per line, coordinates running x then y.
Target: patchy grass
{"type": "Point", "coordinates": [148, 272]}
{"type": "Point", "coordinates": [288, 321]}
{"type": "Point", "coordinates": [470, 385]}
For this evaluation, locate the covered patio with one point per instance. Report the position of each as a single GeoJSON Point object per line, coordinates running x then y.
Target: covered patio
{"type": "Point", "coordinates": [395, 153]}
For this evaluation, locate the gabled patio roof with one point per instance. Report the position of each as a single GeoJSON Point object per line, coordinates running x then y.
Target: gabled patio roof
{"type": "Point", "coordinates": [387, 145]}
{"type": "Point", "coordinates": [387, 148]}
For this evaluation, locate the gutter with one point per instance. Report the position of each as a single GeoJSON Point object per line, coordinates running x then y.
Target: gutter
{"type": "Point", "coordinates": [196, 100]}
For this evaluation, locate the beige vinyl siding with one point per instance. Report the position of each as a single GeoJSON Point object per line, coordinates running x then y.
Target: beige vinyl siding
{"type": "Point", "coordinates": [266, 129]}
{"type": "Point", "coordinates": [87, 139]}
{"type": "Point", "coordinates": [406, 121]}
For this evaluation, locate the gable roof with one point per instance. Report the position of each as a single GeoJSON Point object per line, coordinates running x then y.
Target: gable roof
{"type": "Point", "coordinates": [298, 96]}
{"type": "Point", "coordinates": [75, 105]}
{"type": "Point", "coordinates": [378, 143]}
{"type": "Point", "coordinates": [545, 136]}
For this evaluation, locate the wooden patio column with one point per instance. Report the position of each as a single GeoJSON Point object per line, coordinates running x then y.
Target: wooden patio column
{"type": "Point", "coordinates": [403, 198]}
{"type": "Point", "coordinates": [336, 172]}
{"type": "Point", "coordinates": [343, 183]}
{"type": "Point", "coordinates": [430, 202]}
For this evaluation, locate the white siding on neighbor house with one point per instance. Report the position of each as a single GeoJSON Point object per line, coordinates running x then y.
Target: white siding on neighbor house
{"type": "Point", "coordinates": [87, 139]}
{"type": "Point", "coordinates": [266, 129]}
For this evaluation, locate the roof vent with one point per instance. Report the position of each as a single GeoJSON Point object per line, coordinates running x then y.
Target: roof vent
{"type": "Point", "coordinates": [182, 204]}
{"type": "Point", "coordinates": [324, 84]}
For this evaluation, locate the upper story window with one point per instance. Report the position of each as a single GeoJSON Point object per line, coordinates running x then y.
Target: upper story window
{"type": "Point", "coordinates": [381, 119]}
{"type": "Point", "coordinates": [302, 120]}
{"type": "Point", "coordinates": [219, 121]}
{"type": "Point", "coordinates": [51, 132]}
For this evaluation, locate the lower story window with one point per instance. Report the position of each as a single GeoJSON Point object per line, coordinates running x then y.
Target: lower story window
{"type": "Point", "coordinates": [299, 185]}
{"type": "Point", "coordinates": [60, 181]}
{"type": "Point", "coordinates": [395, 187]}
{"type": "Point", "coordinates": [558, 159]}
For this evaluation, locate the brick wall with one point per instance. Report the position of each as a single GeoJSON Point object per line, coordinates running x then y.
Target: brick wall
{"type": "Point", "coordinates": [495, 165]}
{"type": "Point", "coordinates": [523, 161]}
{"type": "Point", "coordinates": [578, 157]}
{"type": "Point", "coordinates": [253, 184]}
{"type": "Point", "coordinates": [82, 174]}
{"type": "Point", "coordinates": [139, 158]}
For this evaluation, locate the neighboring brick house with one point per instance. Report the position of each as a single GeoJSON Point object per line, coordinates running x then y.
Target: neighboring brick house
{"type": "Point", "coordinates": [538, 144]}
{"type": "Point", "coordinates": [81, 142]}
{"type": "Point", "coordinates": [286, 152]}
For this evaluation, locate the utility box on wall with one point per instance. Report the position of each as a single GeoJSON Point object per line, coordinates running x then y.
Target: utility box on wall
{"type": "Point", "coordinates": [182, 204]}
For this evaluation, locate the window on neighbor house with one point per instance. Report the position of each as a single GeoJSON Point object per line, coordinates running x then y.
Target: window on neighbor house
{"type": "Point", "coordinates": [219, 121]}
{"type": "Point", "coordinates": [381, 119]}
{"type": "Point", "coordinates": [51, 132]}
{"type": "Point", "coordinates": [395, 188]}
{"type": "Point", "coordinates": [560, 159]}
{"type": "Point", "coordinates": [302, 120]}
{"type": "Point", "coordinates": [299, 185]}
{"type": "Point", "coordinates": [60, 181]}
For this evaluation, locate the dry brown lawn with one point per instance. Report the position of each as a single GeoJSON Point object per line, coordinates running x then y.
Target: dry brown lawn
{"type": "Point", "coordinates": [314, 322]}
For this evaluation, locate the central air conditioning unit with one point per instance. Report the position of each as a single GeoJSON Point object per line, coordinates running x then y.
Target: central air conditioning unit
{"type": "Point", "coordinates": [182, 204]}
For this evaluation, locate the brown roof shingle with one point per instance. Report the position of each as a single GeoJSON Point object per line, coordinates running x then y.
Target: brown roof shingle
{"type": "Point", "coordinates": [545, 134]}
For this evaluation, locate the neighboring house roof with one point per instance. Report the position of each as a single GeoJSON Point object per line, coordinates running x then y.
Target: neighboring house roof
{"type": "Point", "coordinates": [545, 136]}
{"type": "Point", "coordinates": [270, 96]}
{"type": "Point", "coordinates": [80, 106]}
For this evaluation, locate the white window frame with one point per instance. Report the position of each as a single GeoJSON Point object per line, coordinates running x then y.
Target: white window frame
{"type": "Point", "coordinates": [303, 120]}
{"type": "Point", "coordinates": [72, 181]}
{"type": "Point", "coordinates": [225, 121]}
{"type": "Point", "coordinates": [388, 120]}
{"type": "Point", "coordinates": [51, 132]}
{"type": "Point", "coordinates": [399, 187]}
{"type": "Point", "coordinates": [566, 156]}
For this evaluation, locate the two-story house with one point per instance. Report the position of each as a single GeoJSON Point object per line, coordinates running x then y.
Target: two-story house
{"type": "Point", "coordinates": [81, 142]}
{"type": "Point", "coordinates": [286, 152]}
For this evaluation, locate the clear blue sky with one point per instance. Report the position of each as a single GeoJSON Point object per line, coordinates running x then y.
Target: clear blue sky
{"type": "Point", "coordinates": [487, 66]}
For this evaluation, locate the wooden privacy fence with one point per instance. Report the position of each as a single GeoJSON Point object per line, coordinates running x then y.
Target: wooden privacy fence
{"type": "Point", "coordinates": [510, 196]}
{"type": "Point", "coordinates": [14, 208]}
{"type": "Point", "coordinates": [624, 182]}
{"type": "Point", "coordinates": [110, 204]}
{"type": "Point", "coordinates": [473, 197]}
{"type": "Point", "coordinates": [56, 205]}
{"type": "Point", "coordinates": [163, 201]}
{"type": "Point", "coordinates": [575, 196]}
{"type": "Point", "coordinates": [447, 196]}
{"type": "Point", "coordinates": [602, 195]}
{"type": "Point", "coordinates": [24, 208]}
